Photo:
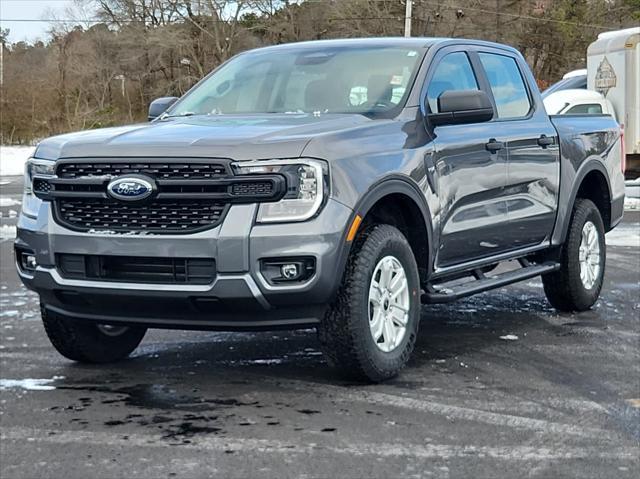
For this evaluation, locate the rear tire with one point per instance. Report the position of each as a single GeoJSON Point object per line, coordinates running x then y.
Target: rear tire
{"type": "Point", "coordinates": [370, 329]}
{"type": "Point", "coordinates": [89, 342]}
{"type": "Point", "coordinates": [577, 285]}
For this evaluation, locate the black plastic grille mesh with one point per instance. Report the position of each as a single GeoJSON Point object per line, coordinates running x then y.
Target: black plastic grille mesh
{"type": "Point", "coordinates": [42, 186]}
{"type": "Point", "coordinates": [137, 269]}
{"type": "Point", "coordinates": [253, 189]}
{"type": "Point", "coordinates": [158, 216]}
{"type": "Point", "coordinates": [156, 170]}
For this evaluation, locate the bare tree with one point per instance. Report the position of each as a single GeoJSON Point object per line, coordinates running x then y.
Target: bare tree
{"type": "Point", "coordinates": [105, 73]}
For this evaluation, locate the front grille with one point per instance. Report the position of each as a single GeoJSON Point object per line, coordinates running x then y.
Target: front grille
{"type": "Point", "coordinates": [137, 269]}
{"type": "Point", "coordinates": [188, 196]}
{"type": "Point", "coordinates": [156, 217]}
{"type": "Point", "coordinates": [164, 170]}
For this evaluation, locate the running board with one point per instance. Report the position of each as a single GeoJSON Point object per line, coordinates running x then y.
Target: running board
{"type": "Point", "coordinates": [484, 283]}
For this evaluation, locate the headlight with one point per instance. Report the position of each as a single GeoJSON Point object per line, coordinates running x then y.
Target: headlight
{"type": "Point", "coordinates": [33, 167]}
{"type": "Point", "coordinates": [307, 183]}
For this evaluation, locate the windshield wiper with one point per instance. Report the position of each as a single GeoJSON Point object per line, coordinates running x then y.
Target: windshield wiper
{"type": "Point", "coordinates": [180, 115]}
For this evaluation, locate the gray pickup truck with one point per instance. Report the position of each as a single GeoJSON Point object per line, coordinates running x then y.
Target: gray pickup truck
{"type": "Point", "coordinates": [334, 185]}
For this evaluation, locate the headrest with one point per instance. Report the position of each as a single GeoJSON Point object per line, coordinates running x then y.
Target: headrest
{"type": "Point", "coordinates": [321, 95]}
{"type": "Point", "coordinates": [379, 89]}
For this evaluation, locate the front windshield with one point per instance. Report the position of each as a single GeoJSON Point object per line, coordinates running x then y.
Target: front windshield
{"type": "Point", "coordinates": [365, 80]}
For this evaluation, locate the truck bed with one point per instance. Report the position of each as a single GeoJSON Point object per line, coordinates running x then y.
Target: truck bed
{"type": "Point", "coordinates": [585, 139]}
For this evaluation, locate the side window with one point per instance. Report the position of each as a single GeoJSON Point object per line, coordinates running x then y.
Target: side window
{"type": "Point", "coordinates": [587, 109]}
{"type": "Point", "coordinates": [454, 72]}
{"type": "Point", "coordinates": [507, 85]}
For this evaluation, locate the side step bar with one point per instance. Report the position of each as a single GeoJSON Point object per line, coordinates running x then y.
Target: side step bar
{"type": "Point", "coordinates": [484, 283]}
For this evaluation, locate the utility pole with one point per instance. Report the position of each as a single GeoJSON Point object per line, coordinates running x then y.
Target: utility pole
{"type": "Point", "coordinates": [407, 18]}
{"type": "Point", "coordinates": [3, 37]}
{"type": "Point", "coordinates": [498, 22]}
{"type": "Point", "coordinates": [121, 78]}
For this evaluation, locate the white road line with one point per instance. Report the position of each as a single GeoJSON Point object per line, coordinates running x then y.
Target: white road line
{"type": "Point", "coordinates": [478, 415]}
{"type": "Point", "coordinates": [346, 395]}
{"type": "Point", "coordinates": [270, 446]}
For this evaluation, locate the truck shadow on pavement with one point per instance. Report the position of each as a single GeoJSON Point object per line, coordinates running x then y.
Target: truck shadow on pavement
{"type": "Point", "coordinates": [446, 332]}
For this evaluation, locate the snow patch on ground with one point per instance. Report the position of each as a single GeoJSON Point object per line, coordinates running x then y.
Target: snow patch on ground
{"type": "Point", "coordinates": [632, 203]}
{"type": "Point", "coordinates": [632, 194]}
{"type": "Point", "coordinates": [30, 384]}
{"type": "Point", "coordinates": [8, 202]}
{"type": "Point", "coordinates": [11, 214]}
{"type": "Point", "coordinates": [509, 337]}
{"type": "Point", "coordinates": [265, 361]}
{"type": "Point", "coordinates": [7, 232]}
{"type": "Point", "coordinates": [13, 158]}
{"type": "Point", "coordinates": [625, 235]}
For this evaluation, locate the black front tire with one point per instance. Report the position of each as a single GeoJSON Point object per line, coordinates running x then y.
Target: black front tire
{"type": "Point", "coordinates": [345, 333]}
{"type": "Point", "coordinates": [87, 342]}
{"type": "Point", "coordinates": [564, 288]}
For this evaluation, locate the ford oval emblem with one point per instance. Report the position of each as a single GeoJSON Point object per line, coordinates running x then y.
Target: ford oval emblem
{"type": "Point", "coordinates": [127, 188]}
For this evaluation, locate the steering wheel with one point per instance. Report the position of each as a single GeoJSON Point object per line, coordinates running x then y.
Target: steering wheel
{"type": "Point", "coordinates": [382, 104]}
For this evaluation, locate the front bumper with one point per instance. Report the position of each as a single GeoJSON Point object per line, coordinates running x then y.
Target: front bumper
{"type": "Point", "coordinates": [239, 297]}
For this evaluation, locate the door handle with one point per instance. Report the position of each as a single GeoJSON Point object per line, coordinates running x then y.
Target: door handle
{"type": "Point", "coordinates": [545, 141]}
{"type": "Point", "coordinates": [494, 145]}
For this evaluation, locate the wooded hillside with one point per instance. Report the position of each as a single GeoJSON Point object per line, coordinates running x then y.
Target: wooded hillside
{"type": "Point", "coordinates": [103, 67]}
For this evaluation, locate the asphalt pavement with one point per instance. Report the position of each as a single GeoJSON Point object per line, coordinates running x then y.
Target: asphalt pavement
{"type": "Point", "coordinates": [500, 386]}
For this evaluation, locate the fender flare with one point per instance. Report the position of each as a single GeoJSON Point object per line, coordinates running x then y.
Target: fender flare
{"type": "Point", "coordinates": [395, 184]}
{"type": "Point", "coordinates": [589, 166]}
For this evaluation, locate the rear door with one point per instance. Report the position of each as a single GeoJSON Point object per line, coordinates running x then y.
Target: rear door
{"type": "Point", "coordinates": [471, 171]}
{"type": "Point", "coordinates": [533, 160]}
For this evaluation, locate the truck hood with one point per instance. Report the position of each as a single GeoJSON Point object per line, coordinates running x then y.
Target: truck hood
{"type": "Point", "coordinates": [239, 137]}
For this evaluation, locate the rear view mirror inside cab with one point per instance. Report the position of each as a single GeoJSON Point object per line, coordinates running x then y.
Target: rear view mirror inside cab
{"type": "Point", "coordinates": [462, 106]}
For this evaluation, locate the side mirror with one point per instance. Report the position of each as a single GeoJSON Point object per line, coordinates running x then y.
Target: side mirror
{"type": "Point", "coordinates": [160, 105]}
{"type": "Point", "coordinates": [462, 106]}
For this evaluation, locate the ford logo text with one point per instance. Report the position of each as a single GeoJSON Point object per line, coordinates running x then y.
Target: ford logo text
{"type": "Point", "coordinates": [130, 189]}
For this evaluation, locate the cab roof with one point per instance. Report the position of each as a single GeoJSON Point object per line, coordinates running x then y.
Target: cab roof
{"type": "Point", "coordinates": [421, 43]}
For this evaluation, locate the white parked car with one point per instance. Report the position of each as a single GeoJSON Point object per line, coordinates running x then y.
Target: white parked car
{"type": "Point", "coordinates": [578, 102]}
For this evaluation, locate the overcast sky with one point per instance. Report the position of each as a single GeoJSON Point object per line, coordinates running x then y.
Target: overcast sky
{"type": "Point", "coordinates": [35, 10]}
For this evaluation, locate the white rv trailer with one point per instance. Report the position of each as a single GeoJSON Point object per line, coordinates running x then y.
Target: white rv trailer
{"type": "Point", "coordinates": [613, 69]}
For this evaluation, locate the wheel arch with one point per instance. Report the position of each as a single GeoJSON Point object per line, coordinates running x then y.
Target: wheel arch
{"type": "Point", "coordinates": [399, 202]}
{"type": "Point", "coordinates": [591, 182]}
